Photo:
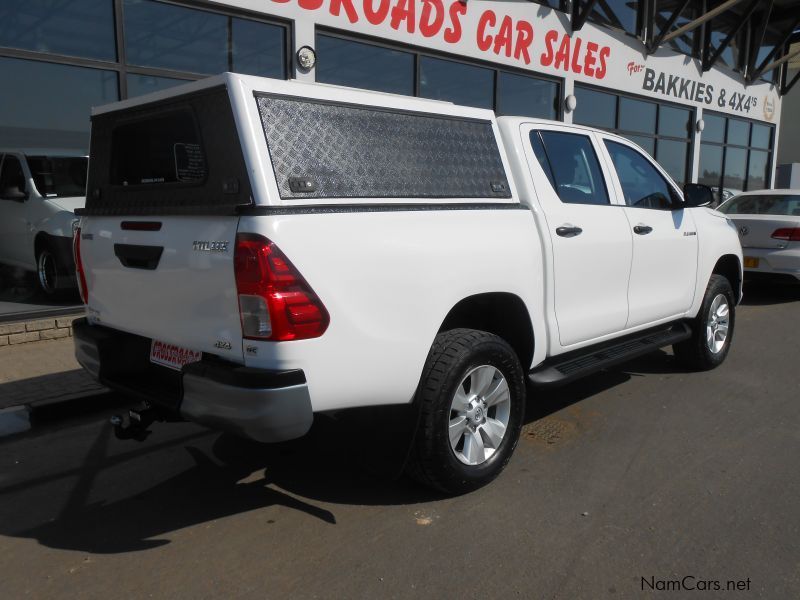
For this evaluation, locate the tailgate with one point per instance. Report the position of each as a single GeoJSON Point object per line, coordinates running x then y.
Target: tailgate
{"type": "Point", "coordinates": [166, 180]}
{"type": "Point", "coordinates": [174, 285]}
{"type": "Point", "coordinates": [755, 231]}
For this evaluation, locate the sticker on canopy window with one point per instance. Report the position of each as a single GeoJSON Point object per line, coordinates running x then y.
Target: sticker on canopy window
{"type": "Point", "coordinates": [189, 162]}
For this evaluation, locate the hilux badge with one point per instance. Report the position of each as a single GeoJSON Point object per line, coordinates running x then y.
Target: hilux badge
{"type": "Point", "coordinates": [206, 246]}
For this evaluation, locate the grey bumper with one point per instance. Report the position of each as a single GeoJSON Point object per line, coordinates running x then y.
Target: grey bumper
{"type": "Point", "coordinates": [267, 406]}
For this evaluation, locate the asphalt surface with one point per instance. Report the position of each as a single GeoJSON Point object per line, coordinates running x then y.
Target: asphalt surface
{"type": "Point", "coordinates": [641, 476]}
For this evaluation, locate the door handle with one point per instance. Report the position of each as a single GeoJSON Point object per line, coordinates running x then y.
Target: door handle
{"type": "Point", "coordinates": [568, 231]}
{"type": "Point", "coordinates": [642, 229]}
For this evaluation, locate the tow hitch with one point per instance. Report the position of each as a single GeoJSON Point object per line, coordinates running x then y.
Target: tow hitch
{"type": "Point", "coordinates": [136, 426]}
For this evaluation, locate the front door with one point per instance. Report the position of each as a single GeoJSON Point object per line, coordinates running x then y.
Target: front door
{"type": "Point", "coordinates": [589, 236]}
{"type": "Point", "coordinates": [664, 267]}
{"type": "Point", "coordinates": [15, 229]}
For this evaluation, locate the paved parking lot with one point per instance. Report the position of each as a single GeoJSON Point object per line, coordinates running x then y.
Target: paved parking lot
{"type": "Point", "coordinates": [640, 477]}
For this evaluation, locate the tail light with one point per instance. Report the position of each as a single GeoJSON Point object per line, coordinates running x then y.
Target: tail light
{"type": "Point", "coordinates": [790, 234]}
{"type": "Point", "coordinates": [76, 250]}
{"type": "Point", "coordinates": [275, 302]}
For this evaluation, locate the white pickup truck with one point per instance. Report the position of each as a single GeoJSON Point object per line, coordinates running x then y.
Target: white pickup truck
{"type": "Point", "coordinates": [256, 251]}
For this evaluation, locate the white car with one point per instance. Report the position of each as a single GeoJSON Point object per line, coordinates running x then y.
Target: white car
{"type": "Point", "coordinates": [39, 192]}
{"type": "Point", "coordinates": [256, 251]}
{"type": "Point", "coordinates": [768, 222]}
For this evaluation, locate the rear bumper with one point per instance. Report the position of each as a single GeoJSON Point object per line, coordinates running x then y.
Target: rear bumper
{"type": "Point", "coordinates": [779, 263]}
{"type": "Point", "coordinates": [267, 406]}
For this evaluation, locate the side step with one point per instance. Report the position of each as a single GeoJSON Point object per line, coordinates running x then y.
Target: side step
{"type": "Point", "coordinates": [574, 365]}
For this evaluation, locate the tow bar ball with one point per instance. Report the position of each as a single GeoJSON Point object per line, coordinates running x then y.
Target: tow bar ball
{"type": "Point", "coordinates": [136, 426]}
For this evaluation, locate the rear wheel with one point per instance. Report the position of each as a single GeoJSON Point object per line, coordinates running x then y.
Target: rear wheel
{"type": "Point", "coordinates": [472, 403]}
{"type": "Point", "coordinates": [712, 328]}
{"type": "Point", "coordinates": [48, 270]}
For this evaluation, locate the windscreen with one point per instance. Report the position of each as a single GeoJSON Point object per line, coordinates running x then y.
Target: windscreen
{"type": "Point", "coordinates": [331, 150]}
{"type": "Point", "coordinates": [59, 176]}
{"type": "Point", "coordinates": [768, 204]}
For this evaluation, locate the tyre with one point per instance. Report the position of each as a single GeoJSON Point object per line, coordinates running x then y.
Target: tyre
{"type": "Point", "coordinates": [712, 329]}
{"type": "Point", "coordinates": [48, 270]}
{"type": "Point", "coordinates": [472, 404]}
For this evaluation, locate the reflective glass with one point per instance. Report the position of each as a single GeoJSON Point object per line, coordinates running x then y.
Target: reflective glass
{"type": "Point", "coordinates": [258, 48]}
{"type": "Point", "coordinates": [710, 165]}
{"type": "Point", "coordinates": [757, 177]}
{"type": "Point", "coordinates": [526, 96]}
{"type": "Point", "coordinates": [144, 84]}
{"type": "Point", "coordinates": [738, 132]}
{"type": "Point", "coordinates": [30, 118]}
{"type": "Point", "coordinates": [75, 28]}
{"type": "Point", "coordinates": [674, 122]}
{"type": "Point", "coordinates": [594, 108]}
{"type": "Point", "coordinates": [642, 184]}
{"type": "Point", "coordinates": [576, 171]}
{"type": "Point", "coordinates": [714, 130]}
{"type": "Point", "coordinates": [175, 37]}
{"type": "Point", "coordinates": [456, 82]}
{"type": "Point", "coordinates": [735, 169]}
{"type": "Point", "coordinates": [355, 64]}
{"type": "Point", "coordinates": [620, 14]}
{"type": "Point", "coordinates": [635, 115]}
{"type": "Point", "coordinates": [762, 135]}
{"type": "Point", "coordinates": [671, 155]}
{"type": "Point", "coordinates": [647, 143]}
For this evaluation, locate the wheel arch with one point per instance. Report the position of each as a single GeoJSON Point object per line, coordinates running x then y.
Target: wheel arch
{"type": "Point", "coordinates": [501, 313]}
{"type": "Point", "coordinates": [729, 267]}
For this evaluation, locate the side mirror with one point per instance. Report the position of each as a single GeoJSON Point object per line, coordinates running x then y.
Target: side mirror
{"type": "Point", "coordinates": [697, 194]}
{"type": "Point", "coordinates": [14, 193]}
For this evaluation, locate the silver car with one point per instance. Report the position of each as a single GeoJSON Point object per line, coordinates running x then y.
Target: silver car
{"type": "Point", "coordinates": [768, 222]}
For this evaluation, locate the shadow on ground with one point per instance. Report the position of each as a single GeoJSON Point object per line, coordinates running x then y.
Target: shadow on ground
{"type": "Point", "coordinates": [354, 457]}
{"type": "Point", "coordinates": [764, 294]}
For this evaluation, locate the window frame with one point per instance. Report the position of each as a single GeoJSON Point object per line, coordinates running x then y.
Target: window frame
{"type": "Point", "coordinates": [418, 52]}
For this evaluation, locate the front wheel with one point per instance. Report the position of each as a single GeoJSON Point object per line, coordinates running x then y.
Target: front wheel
{"type": "Point", "coordinates": [712, 329]}
{"type": "Point", "coordinates": [472, 404]}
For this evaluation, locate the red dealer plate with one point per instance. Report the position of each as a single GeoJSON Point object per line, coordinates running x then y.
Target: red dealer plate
{"type": "Point", "coordinates": [172, 356]}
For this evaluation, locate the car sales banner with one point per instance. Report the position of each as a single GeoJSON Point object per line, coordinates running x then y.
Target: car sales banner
{"type": "Point", "coordinates": [535, 38]}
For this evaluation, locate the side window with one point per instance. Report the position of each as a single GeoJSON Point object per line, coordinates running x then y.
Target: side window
{"type": "Point", "coordinates": [11, 178]}
{"type": "Point", "coordinates": [642, 184]}
{"type": "Point", "coordinates": [571, 165]}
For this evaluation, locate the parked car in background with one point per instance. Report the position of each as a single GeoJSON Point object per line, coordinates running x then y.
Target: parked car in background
{"type": "Point", "coordinates": [39, 192]}
{"type": "Point", "coordinates": [768, 222]}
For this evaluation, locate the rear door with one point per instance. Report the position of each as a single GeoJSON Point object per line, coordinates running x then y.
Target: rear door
{"type": "Point", "coordinates": [589, 235]}
{"type": "Point", "coordinates": [664, 266]}
{"type": "Point", "coordinates": [159, 229]}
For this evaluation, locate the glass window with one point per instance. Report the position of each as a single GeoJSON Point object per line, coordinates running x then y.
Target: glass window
{"type": "Point", "coordinates": [647, 143]}
{"type": "Point", "coordinates": [757, 177]}
{"type": "Point", "coordinates": [144, 84]}
{"type": "Point", "coordinates": [75, 28]}
{"type": "Point", "coordinates": [576, 171]}
{"type": "Point", "coordinates": [456, 82]}
{"type": "Point", "coordinates": [63, 176]}
{"type": "Point", "coordinates": [620, 14]}
{"type": "Point", "coordinates": [354, 64]}
{"type": "Point", "coordinates": [714, 130]}
{"type": "Point", "coordinates": [665, 9]}
{"type": "Point", "coordinates": [710, 165]}
{"type": "Point", "coordinates": [258, 48]}
{"type": "Point", "coordinates": [671, 155]}
{"type": "Point", "coordinates": [12, 180]}
{"type": "Point", "coordinates": [642, 185]}
{"type": "Point", "coordinates": [635, 115]}
{"type": "Point", "coordinates": [526, 96]}
{"type": "Point", "coordinates": [596, 109]}
{"type": "Point", "coordinates": [772, 204]}
{"type": "Point", "coordinates": [674, 122]}
{"type": "Point", "coordinates": [738, 132]}
{"type": "Point", "coordinates": [762, 135]}
{"type": "Point", "coordinates": [718, 36]}
{"type": "Point", "coordinates": [735, 169]}
{"type": "Point", "coordinates": [175, 37]}
{"type": "Point", "coordinates": [30, 117]}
